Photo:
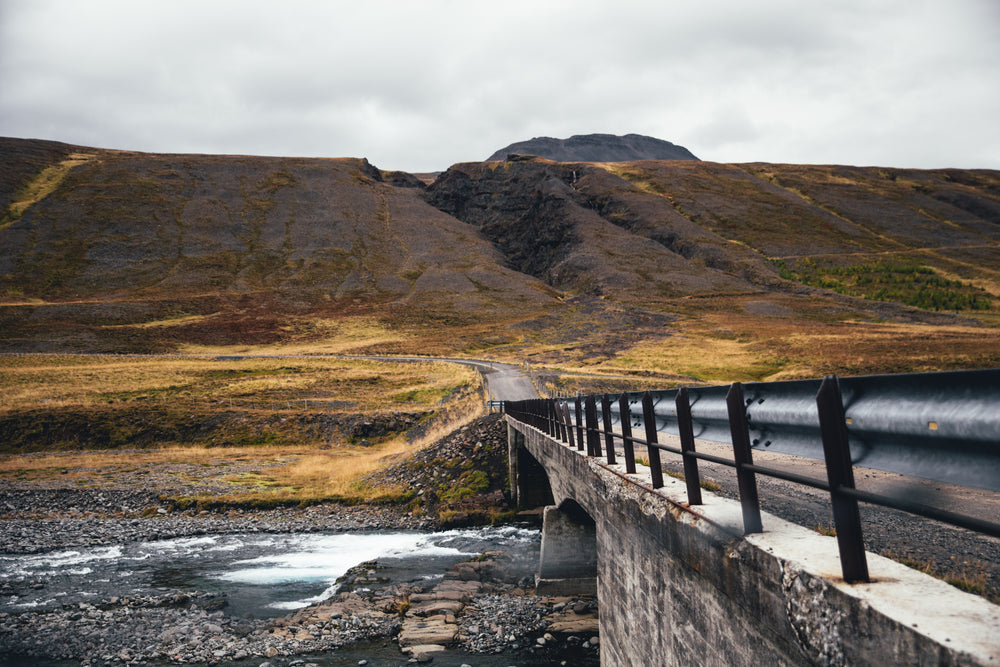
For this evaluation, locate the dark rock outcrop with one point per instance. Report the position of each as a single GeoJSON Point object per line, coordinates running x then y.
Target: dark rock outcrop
{"type": "Point", "coordinates": [597, 148]}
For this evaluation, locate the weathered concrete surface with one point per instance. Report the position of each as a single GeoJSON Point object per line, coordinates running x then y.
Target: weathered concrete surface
{"type": "Point", "coordinates": [681, 587]}
{"type": "Point", "coordinates": [568, 559]}
{"type": "Point", "coordinates": [528, 481]}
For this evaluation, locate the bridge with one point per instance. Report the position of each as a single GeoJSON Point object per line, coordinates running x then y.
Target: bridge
{"type": "Point", "coordinates": [684, 576]}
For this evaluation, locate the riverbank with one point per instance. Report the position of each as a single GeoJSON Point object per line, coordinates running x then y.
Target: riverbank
{"type": "Point", "coordinates": [470, 611]}
{"type": "Point", "coordinates": [493, 616]}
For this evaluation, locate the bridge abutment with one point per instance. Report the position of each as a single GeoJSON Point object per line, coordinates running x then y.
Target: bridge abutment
{"type": "Point", "coordinates": [568, 561]}
{"type": "Point", "coordinates": [529, 484]}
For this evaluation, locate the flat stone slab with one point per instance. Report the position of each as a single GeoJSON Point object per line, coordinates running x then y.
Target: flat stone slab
{"type": "Point", "coordinates": [432, 607]}
{"type": "Point", "coordinates": [424, 648]}
{"type": "Point", "coordinates": [571, 623]}
{"type": "Point", "coordinates": [432, 630]}
{"type": "Point", "coordinates": [454, 589]}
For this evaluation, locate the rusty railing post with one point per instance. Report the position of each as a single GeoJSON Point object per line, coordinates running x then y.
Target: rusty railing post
{"type": "Point", "coordinates": [560, 424]}
{"type": "Point", "coordinates": [579, 424]}
{"type": "Point", "coordinates": [840, 473]}
{"type": "Point", "coordinates": [593, 435]}
{"type": "Point", "coordinates": [609, 434]}
{"type": "Point", "coordinates": [649, 421]}
{"type": "Point", "coordinates": [746, 479]}
{"type": "Point", "coordinates": [627, 434]}
{"type": "Point", "coordinates": [686, 428]}
{"type": "Point", "coordinates": [569, 426]}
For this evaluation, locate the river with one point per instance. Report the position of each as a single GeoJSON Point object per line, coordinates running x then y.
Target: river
{"type": "Point", "coordinates": [268, 576]}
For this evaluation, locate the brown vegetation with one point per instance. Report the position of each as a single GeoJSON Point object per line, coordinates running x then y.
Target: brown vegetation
{"type": "Point", "coordinates": [617, 275]}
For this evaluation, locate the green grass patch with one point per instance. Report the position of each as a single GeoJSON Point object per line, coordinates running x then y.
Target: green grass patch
{"type": "Point", "coordinates": [468, 484]}
{"type": "Point", "coordinates": [906, 282]}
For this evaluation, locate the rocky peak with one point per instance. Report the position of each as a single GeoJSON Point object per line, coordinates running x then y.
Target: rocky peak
{"type": "Point", "coordinates": [597, 148]}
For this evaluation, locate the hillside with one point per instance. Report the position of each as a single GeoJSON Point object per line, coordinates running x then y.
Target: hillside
{"type": "Point", "coordinates": [677, 268]}
{"type": "Point", "coordinates": [596, 148]}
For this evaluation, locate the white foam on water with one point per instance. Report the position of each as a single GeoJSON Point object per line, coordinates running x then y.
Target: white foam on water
{"type": "Point", "coordinates": [56, 561]}
{"type": "Point", "coordinates": [184, 545]}
{"type": "Point", "coordinates": [297, 604]}
{"type": "Point", "coordinates": [327, 557]}
{"type": "Point", "coordinates": [33, 604]}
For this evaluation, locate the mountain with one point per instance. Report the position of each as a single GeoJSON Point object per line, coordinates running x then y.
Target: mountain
{"type": "Point", "coordinates": [597, 148]}
{"type": "Point", "coordinates": [663, 265]}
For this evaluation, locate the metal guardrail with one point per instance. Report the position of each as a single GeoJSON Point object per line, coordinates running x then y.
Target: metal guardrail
{"type": "Point", "coordinates": [941, 426]}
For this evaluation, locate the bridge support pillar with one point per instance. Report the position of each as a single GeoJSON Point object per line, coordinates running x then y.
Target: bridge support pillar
{"type": "Point", "coordinates": [568, 561]}
{"type": "Point", "coordinates": [529, 485]}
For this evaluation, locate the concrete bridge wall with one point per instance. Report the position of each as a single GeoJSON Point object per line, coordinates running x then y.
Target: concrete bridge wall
{"type": "Point", "coordinates": [680, 586]}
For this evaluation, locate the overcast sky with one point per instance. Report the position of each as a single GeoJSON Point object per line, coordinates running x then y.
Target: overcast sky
{"type": "Point", "coordinates": [420, 85]}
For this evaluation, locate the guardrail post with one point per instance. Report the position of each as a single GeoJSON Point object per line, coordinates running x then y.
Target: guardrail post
{"type": "Point", "coordinates": [746, 479]}
{"type": "Point", "coordinates": [579, 424]}
{"type": "Point", "coordinates": [569, 426]}
{"type": "Point", "coordinates": [609, 434]}
{"type": "Point", "coordinates": [563, 411]}
{"type": "Point", "coordinates": [649, 421]}
{"type": "Point", "coordinates": [626, 417]}
{"type": "Point", "coordinates": [840, 473]}
{"type": "Point", "coordinates": [558, 417]}
{"type": "Point", "coordinates": [593, 435]}
{"type": "Point", "coordinates": [686, 428]}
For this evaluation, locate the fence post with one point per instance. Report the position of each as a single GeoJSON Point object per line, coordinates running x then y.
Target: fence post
{"type": "Point", "coordinates": [579, 423]}
{"type": "Point", "coordinates": [746, 479]}
{"type": "Point", "coordinates": [627, 434]}
{"type": "Point", "coordinates": [593, 436]}
{"type": "Point", "coordinates": [649, 421]}
{"type": "Point", "coordinates": [560, 424]}
{"type": "Point", "coordinates": [569, 425]}
{"type": "Point", "coordinates": [686, 428]}
{"type": "Point", "coordinates": [840, 473]}
{"type": "Point", "coordinates": [609, 434]}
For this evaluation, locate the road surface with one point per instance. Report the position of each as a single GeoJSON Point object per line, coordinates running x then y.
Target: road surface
{"type": "Point", "coordinates": [507, 383]}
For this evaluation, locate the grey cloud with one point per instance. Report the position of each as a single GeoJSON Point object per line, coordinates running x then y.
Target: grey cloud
{"type": "Point", "coordinates": [422, 85]}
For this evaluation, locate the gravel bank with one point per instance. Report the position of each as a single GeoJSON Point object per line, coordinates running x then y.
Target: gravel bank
{"type": "Point", "coordinates": [501, 616]}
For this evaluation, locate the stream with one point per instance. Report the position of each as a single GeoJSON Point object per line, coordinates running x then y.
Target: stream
{"type": "Point", "coordinates": [265, 575]}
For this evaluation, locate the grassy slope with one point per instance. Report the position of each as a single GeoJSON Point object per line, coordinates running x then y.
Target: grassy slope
{"type": "Point", "coordinates": [646, 272]}
{"type": "Point", "coordinates": [315, 425]}
{"type": "Point", "coordinates": [137, 252]}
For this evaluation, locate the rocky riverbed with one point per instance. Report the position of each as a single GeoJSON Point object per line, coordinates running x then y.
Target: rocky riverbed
{"type": "Point", "coordinates": [471, 610]}
{"type": "Point", "coordinates": [485, 607]}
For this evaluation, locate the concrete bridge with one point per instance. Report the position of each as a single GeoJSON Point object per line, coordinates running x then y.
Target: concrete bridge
{"type": "Point", "coordinates": [682, 585]}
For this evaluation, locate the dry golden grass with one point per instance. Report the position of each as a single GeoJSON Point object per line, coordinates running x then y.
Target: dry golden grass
{"type": "Point", "coordinates": [43, 185]}
{"type": "Point", "coordinates": [59, 381]}
{"type": "Point", "coordinates": [725, 345]}
{"type": "Point", "coordinates": [318, 335]}
{"type": "Point", "coordinates": [307, 472]}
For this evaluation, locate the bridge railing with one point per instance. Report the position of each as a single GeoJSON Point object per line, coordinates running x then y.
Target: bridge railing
{"type": "Point", "coordinates": [940, 426]}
